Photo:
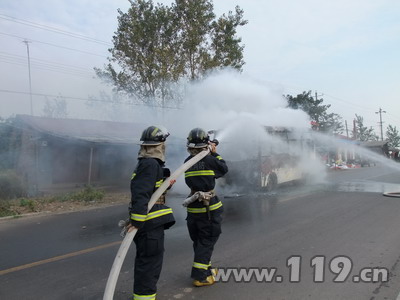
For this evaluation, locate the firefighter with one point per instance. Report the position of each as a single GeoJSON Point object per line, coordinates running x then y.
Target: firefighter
{"type": "Point", "coordinates": [149, 240]}
{"type": "Point", "coordinates": [204, 216]}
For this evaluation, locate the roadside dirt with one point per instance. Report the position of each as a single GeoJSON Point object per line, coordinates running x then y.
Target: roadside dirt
{"type": "Point", "coordinates": [38, 205]}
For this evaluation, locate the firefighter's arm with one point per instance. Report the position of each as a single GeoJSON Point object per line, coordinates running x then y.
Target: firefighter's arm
{"type": "Point", "coordinates": [142, 187]}
{"type": "Point", "coordinates": [219, 165]}
{"type": "Point", "coordinates": [213, 147]}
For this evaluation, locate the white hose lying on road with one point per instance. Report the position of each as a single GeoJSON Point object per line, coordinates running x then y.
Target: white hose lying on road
{"type": "Point", "coordinates": [123, 249]}
{"type": "Point", "coordinates": [392, 194]}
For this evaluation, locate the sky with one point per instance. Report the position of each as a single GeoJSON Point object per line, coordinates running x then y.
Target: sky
{"type": "Point", "coordinates": [345, 51]}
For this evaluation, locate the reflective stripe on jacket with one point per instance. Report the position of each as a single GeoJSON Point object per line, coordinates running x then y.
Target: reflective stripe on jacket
{"type": "Point", "coordinates": [198, 210]}
{"type": "Point", "coordinates": [147, 177]}
{"type": "Point", "coordinates": [201, 177]}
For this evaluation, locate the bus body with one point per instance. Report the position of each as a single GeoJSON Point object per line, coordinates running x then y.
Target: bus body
{"type": "Point", "coordinates": [270, 166]}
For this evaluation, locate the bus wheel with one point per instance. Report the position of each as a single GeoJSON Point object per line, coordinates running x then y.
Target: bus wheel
{"type": "Point", "coordinates": [272, 182]}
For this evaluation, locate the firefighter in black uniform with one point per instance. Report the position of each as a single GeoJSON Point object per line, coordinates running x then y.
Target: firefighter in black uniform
{"type": "Point", "coordinates": [205, 214]}
{"type": "Point", "coordinates": [149, 240]}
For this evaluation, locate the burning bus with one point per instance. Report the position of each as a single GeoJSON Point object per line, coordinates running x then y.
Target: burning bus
{"type": "Point", "coordinates": [282, 156]}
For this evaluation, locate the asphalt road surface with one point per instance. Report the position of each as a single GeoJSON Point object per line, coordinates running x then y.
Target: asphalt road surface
{"type": "Point", "coordinates": [335, 240]}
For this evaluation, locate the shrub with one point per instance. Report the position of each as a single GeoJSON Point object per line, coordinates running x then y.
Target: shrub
{"type": "Point", "coordinates": [5, 209]}
{"type": "Point", "coordinates": [59, 198]}
{"type": "Point", "coordinates": [27, 203]}
{"type": "Point", "coordinates": [11, 185]}
{"type": "Point", "coordinates": [85, 195]}
{"type": "Point", "coordinates": [88, 194]}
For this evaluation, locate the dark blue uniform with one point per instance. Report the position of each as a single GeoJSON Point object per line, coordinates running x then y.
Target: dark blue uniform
{"type": "Point", "coordinates": [149, 240]}
{"type": "Point", "coordinates": [204, 228]}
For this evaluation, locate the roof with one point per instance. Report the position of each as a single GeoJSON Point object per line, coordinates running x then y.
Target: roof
{"type": "Point", "coordinates": [343, 137]}
{"type": "Point", "coordinates": [86, 130]}
{"type": "Point", "coordinates": [373, 143]}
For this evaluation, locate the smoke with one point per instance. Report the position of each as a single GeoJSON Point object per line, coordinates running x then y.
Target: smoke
{"type": "Point", "coordinates": [358, 151]}
{"type": "Point", "coordinates": [227, 97]}
{"type": "Point", "coordinates": [239, 108]}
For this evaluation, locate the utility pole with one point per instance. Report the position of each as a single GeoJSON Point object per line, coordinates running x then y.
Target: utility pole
{"type": "Point", "coordinates": [316, 99]}
{"type": "Point", "coordinates": [29, 71]}
{"type": "Point", "coordinates": [347, 129]}
{"type": "Point", "coordinates": [316, 95]}
{"type": "Point", "coordinates": [380, 120]}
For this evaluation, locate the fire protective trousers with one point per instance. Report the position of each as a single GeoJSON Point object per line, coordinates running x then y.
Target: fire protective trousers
{"type": "Point", "coordinates": [204, 233]}
{"type": "Point", "coordinates": [148, 261]}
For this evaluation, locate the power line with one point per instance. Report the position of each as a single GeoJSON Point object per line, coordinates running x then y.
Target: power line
{"type": "Point", "coordinates": [42, 60]}
{"type": "Point", "coordinates": [53, 29]}
{"type": "Point", "coordinates": [43, 64]}
{"type": "Point", "coordinates": [393, 116]}
{"type": "Point", "coordinates": [54, 45]}
{"type": "Point", "coordinates": [86, 99]}
{"type": "Point", "coordinates": [334, 97]}
{"type": "Point", "coordinates": [349, 103]}
{"type": "Point", "coordinates": [369, 109]}
{"type": "Point", "coordinates": [48, 68]}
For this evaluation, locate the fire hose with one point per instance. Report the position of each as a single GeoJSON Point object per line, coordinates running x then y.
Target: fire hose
{"type": "Point", "coordinates": [127, 241]}
{"type": "Point", "coordinates": [392, 194]}
{"type": "Point", "coordinates": [203, 197]}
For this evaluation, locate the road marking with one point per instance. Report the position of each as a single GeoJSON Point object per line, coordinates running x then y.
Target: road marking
{"type": "Point", "coordinates": [56, 258]}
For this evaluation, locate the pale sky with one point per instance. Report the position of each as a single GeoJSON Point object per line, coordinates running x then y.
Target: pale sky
{"type": "Point", "coordinates": [346, 51]}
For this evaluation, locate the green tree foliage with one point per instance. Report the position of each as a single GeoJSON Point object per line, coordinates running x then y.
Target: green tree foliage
{"type": "Point", "coordinates": [320, 118]}
{"type": "Point", "coordinates": [363, 133]}
{"type": "Point", "coordinates": [208, 43]}
{"type": "Point", "coordinates": [393, 137]}
{"type": "Point", "coordinates": [156, 47]}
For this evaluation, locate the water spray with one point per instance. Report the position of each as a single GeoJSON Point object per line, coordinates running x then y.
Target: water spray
{"type": "Point", "coordinates": [214, 140]}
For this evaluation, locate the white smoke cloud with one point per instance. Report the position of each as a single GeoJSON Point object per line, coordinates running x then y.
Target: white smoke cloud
{"type": "Point", "coordinates": [239, 108]}
{"type": "Point", "coordinates": [228, 98]}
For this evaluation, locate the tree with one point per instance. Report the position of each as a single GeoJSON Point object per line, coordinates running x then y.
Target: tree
{"type": "Point", "coordinates": [55, 108]}
{"type": "Point", "coordinates": [156, 47]}
{"type": "Point", "coordinates": [9, 138]}
{"type": "Point", "coordinates": [363, 133]}
{"type": "Point", "coordinates": [320, 119]}
{"type": "Point", "coordinates": [393, 137]}
{"type": "Point", "coordinates": [197, 20]}
{"type": "Point", "coordinates": [112, 106]}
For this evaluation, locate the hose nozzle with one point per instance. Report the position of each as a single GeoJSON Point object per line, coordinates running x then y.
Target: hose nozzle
{"type": "Point", "coordinates": [215, 141]}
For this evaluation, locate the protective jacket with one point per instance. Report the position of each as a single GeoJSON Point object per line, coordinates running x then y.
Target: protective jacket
{"type": "Point", "coordinates": [147, 177]}
{"type": "Point", "coordinates": [204, 224]}
{"type": "Point", "coordinates": [201, 177]}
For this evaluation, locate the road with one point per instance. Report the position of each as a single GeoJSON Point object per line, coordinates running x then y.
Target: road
{"type": "Point", "coordinates": [69, 256]}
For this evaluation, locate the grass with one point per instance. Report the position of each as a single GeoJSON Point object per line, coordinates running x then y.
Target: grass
{"type": "Point", "coordinates": [29, 203]}
{"type": "Point", "coordinates": [18, 206]}
{"type": "Point", "coordinates": [88, 194]}
{"type": "Point", "coordinates": [5, 209]}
